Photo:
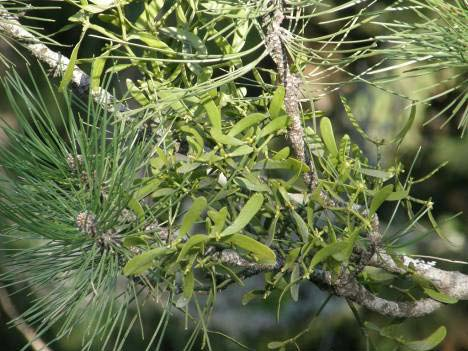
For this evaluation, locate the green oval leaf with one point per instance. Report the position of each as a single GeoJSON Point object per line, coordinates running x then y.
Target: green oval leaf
{"type": "Point", "coordinates": [245, 215]}
{"type": "Point", "coordinates": [97, 68]}
{"type": "Point", "coordinates": [143, 262]}
{"type": "Point", "coordinates": [428, 343]}
{"type": "Point", "coordinates": [277, 102]}
{"type": "Point", "coordinates": [327, 251]}
{"type": "Point", "coordinates": [163, 192]}
{"type": "Point", "coordinates": [260, 251]}
{"type": "Point", "coordinates": [219, 219]}
{"type": "Point", "coordinates": [221, 138]}
{"type": "Point", "coordinates": [241, 151]}
{"type": "Point", "coordinates": [192, 242]}
{"type": "Point", "coordinates": [136, 92]}
{"type": "Point", "coordinates": [136, 207]}
{"type": "Point", "coordinates": [68, 75]}
{"type": "Point", "coordinates": [396, 332]}
{"type": "Point", "coordinates": [407, 126]}
{"type": "Point", "coordinates": [291, 258]}
{"type": "Point", "coordinates": [290, 163]}
{"type": "Point", "coordinates": [301, 226]}
{"type": "Point", "coordinates": [193, 214]}
{"type": "Point", "coordinates": [295, 275]}
{"type": "Point", "coordinates": [186, 37]}
{"type": "Point", "coordinates": [134, 240]}
{"type": "Point", "coordinates": [250, 295]}
{"type": "Point", "coordinates": [195, 134]}
{"type": "Point", "coordinates": [152, 41]}
{"type": "Point", "coordinates": [398, 195]}
{"type": "Point", "coordinates": [275, 345]}
{"type": "Point", "coordinates": [380, 198]}
{"type": "Point", "coordinates": [377, 173]}
{"type": "Point", "coordinates": [189, 284]}
{"type": "Point", "coordinates": [326, 130]}
{"type": "Point", "coordinates": [149, 188]}
{"type": "Point", "coordinates": [214, 114]}
{"type": "Point", "coordinates": [246, 122]}
{"type": "Point", "coordinates": [282, 154]}
{"type": "Point", "coordinates": [436, 295]}
{"type": "Point", "coordinates": [252, 183]}
{"type": "Point", "coordinates": [273, 126]}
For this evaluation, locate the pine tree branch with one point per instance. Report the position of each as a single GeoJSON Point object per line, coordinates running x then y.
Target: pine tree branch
{"type": "Point", "coordinates": [452, 283]}
{"type": "Point", "coordinates": [37, 344]}
{"type": "Point", "coordinates": [58, 63]}
{"type": "Point", "coordinates": [348, 286]}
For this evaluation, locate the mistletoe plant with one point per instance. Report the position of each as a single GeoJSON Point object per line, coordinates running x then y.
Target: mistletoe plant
{"type": "Point", "coordinates": [214, 166]}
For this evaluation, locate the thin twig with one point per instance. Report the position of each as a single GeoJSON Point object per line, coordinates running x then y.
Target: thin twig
{"type": "Point", "coordinates": [439, 259]}
{"type": "Point", "coordinates": [27, 331]}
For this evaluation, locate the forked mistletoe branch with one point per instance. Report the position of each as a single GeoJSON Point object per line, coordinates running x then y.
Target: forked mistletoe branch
{"type": "Point", "coordinates": [454, 284]}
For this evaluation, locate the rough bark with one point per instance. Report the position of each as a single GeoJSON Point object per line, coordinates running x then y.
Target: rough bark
{"type": "Point", "coordinates": [452, 283]}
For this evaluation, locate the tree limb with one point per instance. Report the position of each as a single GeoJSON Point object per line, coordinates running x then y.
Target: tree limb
{"type": "Point", "coordinates": [348, 286]}
{"type": "Point", "coordinates": [452, 283]}
{"type": "Point", "coordinates": [58, 63]}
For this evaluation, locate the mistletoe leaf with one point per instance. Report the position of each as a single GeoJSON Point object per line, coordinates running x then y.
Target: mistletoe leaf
{"type": "Point", "coordinates": [262, 253]}
{"type": "Point", "coordinates": [277, 102]}
{"type": "Point", "coordinates": [327, 251]}
{"type": "Point", "coordinates": [245, 123]}
{"type": "Point", "coordinates": [328, 137]}
{"type": "Point", "coordinates": [380, 198]}
{"type": "Point", "coordinates": [193, 241]}
{"type": "Point", "coordinates": [142, 262]}
{"type": "Point", "coordinates": [437, 295]}
{"type": "Point", "coordinates": [192, 215]}
{"type": "Point", "coordinates": [272, 127]}
{"type": "Point", "coordinates": [213, 112]}
{"type": "Point", "coordinates": [246, 214]}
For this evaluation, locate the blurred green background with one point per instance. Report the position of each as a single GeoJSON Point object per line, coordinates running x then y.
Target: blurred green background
{"type": "Point", "coordinates": [336, 329]}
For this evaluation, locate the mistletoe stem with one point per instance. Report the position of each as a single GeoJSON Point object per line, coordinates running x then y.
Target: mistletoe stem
{"type": "Point", "coordinates": [291, 83]}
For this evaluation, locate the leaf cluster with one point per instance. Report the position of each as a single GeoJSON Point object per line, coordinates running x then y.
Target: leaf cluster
{"type": "Point", "coordinates": [197, 188]}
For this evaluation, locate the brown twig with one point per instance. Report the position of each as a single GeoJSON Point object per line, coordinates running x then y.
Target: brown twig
{"type": "Point", "coordinates": [27, 331]}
